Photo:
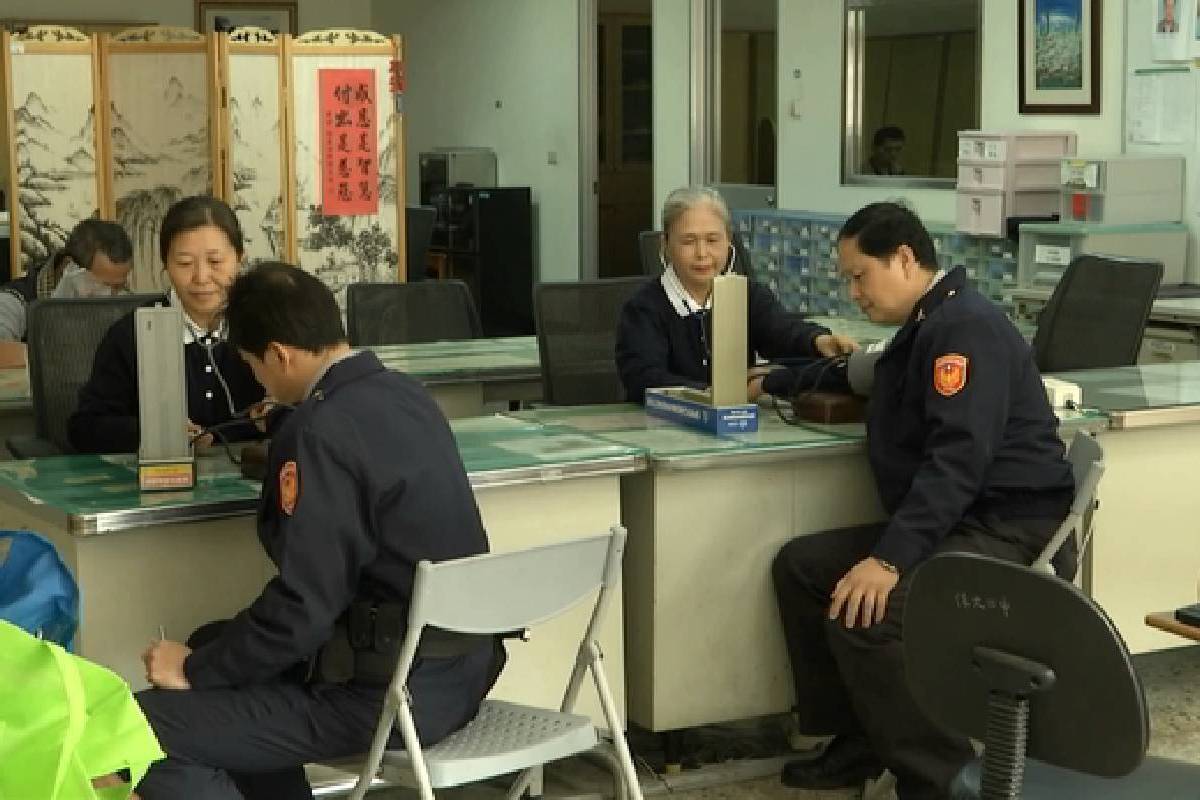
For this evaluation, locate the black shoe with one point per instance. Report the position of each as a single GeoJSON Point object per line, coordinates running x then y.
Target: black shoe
{"type": "Point", "coordinates": [846, 762]}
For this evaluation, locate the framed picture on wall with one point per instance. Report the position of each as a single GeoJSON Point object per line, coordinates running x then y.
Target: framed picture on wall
{"type": "Point", "coordinates": [1059, 56]}
{"type": "Point", "coordinates": [277, 16]}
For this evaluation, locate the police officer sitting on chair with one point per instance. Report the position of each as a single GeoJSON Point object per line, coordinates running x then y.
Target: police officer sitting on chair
{"type": "Point", "coordinates": [364, 480]}
{"type": "Point", "coordinates": [966, 457]}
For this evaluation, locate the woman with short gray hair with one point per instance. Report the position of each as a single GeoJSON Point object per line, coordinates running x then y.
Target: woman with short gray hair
{"type": "Point", "coordinates": [663, 332]}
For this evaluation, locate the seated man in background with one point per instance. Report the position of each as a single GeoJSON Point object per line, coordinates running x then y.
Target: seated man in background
{"type": "Point", "coordinates": [966, 456]}
{"type": "Point", "coordinates": [887, 145]}
{"type": "Point", "coordinates": [94, 262]}
{"type": "Point", "coordinates": [364, 480]}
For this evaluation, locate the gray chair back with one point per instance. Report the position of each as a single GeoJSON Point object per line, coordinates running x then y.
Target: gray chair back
{"type": "Point", "coordinates": [410, 313]}
{"type": "Point", "coordinates": [418, 233]}
{"type": "Point", "coordinates": [1097, 314]}
{"type": "Point", "coordinates": [577, 339]}
{"type": "Point", "coordinates": [1087, 466]}
{"type": "Point", "coordinates": [63, 334]}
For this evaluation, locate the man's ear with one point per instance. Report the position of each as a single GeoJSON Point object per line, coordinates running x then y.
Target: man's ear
{"type": "Point", "coordinates": [283, 356]}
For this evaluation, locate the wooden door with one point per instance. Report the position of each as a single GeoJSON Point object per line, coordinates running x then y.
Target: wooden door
{"type": "Point", "coordinates": [626, 167]}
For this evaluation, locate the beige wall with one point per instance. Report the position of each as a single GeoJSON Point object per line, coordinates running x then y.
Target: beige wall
{"type": "Point", "coordinates": [810, 40]}
{"type": "Point", "coordinates": [503, 75]}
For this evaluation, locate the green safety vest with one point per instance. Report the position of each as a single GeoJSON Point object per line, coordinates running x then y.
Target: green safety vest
{"type": "Point", "coordinates": [64, 721]}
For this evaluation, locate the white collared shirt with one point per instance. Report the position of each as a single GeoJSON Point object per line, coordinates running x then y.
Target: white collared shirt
{"type": "Point", "coordinates": [681, 301]}
{"type": "Point", "coordinates": [192, 332]}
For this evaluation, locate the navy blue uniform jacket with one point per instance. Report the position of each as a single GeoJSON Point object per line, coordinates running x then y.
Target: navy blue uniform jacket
{"type": "Point", "coordinates": [106, 420]}
{"type": "Point", "coordinates": [657, 347]}
{"type": "Point", "coordinates": [940, 450]}
{"type": "Point", "coordinates": [363, 481]}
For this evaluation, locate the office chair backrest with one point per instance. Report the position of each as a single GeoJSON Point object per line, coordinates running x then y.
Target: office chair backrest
{"type": "Point", "coordinates": [418, 233]}
{"type": "Point", "coordinates": [649, 247]}
{"type": "Point", "coordinates": [1097, 314]}
{"type": "Point", "coordinates": [577, 339]}
{"type": "Point", "coordinates": [409, 313]}
{"type": "Point", "coordinates": [1091, 719]}
{"type": "Point", "coordinates": [63, 334]}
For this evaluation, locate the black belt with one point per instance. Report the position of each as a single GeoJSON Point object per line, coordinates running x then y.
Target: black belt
{"type": "Point", "coordinates": [367, 639]}
{"type": "Point", "coordinates": [1026, 503]}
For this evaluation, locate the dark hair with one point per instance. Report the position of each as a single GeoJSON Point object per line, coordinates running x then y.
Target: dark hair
{"type": "Point", "coordinates": [195, 212]}
{"type": "Point", "coordinates": [880, 228]}
{"type": "Point", "coordinates": [276, 302]}
{"type": "Point", "coordinates": [885, 133]}
{"type": "Point", "coordinates": [96, 235]}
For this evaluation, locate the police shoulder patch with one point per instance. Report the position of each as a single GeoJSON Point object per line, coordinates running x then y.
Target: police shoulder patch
{"type": "Point", "coordinates": [950, 374]}
{"type": "Point", "coordinates": [289, 487]}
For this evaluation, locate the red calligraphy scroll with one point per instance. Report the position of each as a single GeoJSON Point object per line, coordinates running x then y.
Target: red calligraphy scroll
{"type": "Point", "coordinates": [349, 143]}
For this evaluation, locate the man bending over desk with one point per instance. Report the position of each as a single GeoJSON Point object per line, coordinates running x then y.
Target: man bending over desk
{"type": "Point", "coordinates": [363, 481]}
{"type": "Point", "coordinates": [966, 457]}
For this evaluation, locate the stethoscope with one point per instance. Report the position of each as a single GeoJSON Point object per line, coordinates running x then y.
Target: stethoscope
{"type": "Point", "coordinates": [694, 311]}
{"type": "Point", "coordinates": [208, 342]}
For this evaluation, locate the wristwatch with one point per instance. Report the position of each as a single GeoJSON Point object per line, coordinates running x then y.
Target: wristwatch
{"type": "Point", "coordinates": [889, 566]}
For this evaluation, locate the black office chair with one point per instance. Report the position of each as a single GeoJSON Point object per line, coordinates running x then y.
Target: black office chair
{"type": "Point", "coordinates": [649, 247]}
{"type": "Point", "coordinates": [1027, 663]}
{"type": "Point", "coordinates": [1097, 314]}
{"type": "Point", "coordinates": [577, 339]}
{"type": "Point", "coordinates": [408, 313]}
{"type": "Point", "coordinates": [418, 233]}
{"type": "Point", "coordinates": [62, 335]}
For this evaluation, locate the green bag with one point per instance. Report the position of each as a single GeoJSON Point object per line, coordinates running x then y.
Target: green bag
{"type": "Point", "coordinates": [64, 721]}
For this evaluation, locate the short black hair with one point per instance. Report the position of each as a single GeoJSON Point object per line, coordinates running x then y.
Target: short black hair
{"type": "Point", "coordinates": [195, 212]}
{"type": "Point", "coordinates": [93, 236]}
{"type": "Point", "coordinates": [886, 133]}
{"type": "Point", "coordinates": [276, 302]}
{"type": "Point", "coordinates": [880, 228]}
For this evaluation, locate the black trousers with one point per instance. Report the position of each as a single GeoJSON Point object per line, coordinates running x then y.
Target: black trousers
{"type": "Point", "coordinates": [251, 742]}
{"type": "Point", "coordinates": [852, 681]}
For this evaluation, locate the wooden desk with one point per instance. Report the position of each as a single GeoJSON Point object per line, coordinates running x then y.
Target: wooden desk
{"type": "Point", "coordinates": [1165, 621]}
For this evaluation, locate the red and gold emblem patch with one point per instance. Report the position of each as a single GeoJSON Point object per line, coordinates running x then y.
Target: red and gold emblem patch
{"type": "Point", "coordinates": [289, 487]}
{"type": "Point", "coordinates": [950, 374]}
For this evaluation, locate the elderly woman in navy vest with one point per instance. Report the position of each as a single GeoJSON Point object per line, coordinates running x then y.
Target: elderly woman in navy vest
{"type": "Point", "coordinates": [663, 333]}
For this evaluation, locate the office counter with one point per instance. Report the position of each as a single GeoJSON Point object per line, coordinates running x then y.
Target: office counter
{"type": "Point", "coordinates": [16, 409]}
{"type": "Point", "coordinates": [463, 376]}
{"type": "Point", "coordinates": [705, 521]}
{"type": "Point", "coordinates": [1146, 546]}
{"type": "Point", "coordinates": [180, 559]}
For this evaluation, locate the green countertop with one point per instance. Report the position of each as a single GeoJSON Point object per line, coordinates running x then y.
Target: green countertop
{"type": "Point", "coordinates": [512, 358]}
{"type": "Point", "coordinates": [509, 358]}
{"type": "Point", "coordinates": [1140, 388]}
{"type": "Point", "coordinates": [665, 442]}
{"type": "Point", "coordinates": [99, 493]}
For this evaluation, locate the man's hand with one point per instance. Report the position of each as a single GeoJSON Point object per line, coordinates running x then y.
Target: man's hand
{"type": "Point", "coordinates": [197, 437]}
{"type": "Point", "coordinates": [754, 381]}
{"type": "Point", "coordinates": [864, 588]}
{"type": "Point", "coordinates": [835, 344]}
{"type": "Point", "coordinates": [164, 664]}
{"type": "Point", "coordinates": [259, 412]}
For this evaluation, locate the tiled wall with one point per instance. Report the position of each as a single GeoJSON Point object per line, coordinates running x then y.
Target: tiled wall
{"type": "Point", "coordinates": [795, 253]}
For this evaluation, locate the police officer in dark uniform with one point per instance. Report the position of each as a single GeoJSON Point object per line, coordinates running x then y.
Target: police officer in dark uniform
{"type": "Point", "coordinates": [966, 457]}
{"type": "Point", "coordinates": [364, 481]}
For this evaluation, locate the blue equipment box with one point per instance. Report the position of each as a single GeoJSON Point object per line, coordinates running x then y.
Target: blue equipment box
{"type": "Point", "coordinates": [685, 407]}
